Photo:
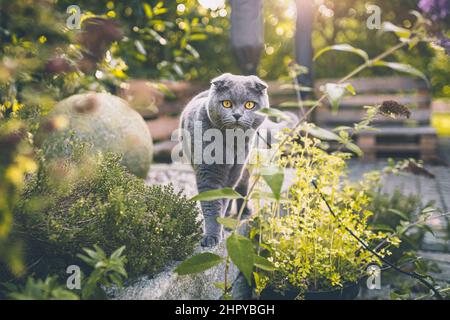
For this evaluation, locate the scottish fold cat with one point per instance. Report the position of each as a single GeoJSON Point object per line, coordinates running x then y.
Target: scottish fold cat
{"type": "Point", "coordinates": [226, 117]}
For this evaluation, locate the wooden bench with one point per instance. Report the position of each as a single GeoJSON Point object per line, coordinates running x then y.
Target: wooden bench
{"type": "Point", "coordinates": [413, 137]}
{"type": "Point", "coordinates": [397, 142]}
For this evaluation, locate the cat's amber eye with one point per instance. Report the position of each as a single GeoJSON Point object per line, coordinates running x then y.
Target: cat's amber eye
{"type": "Point", "coordinates": [227, 103]}
{"type": "Point", "coordinates": [249, 105]}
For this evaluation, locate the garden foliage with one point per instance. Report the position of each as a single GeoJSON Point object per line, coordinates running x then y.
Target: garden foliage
{"type": "Point", "coordinates": [67, 206]}
{"type": "Point", "coordinates": [310, 248]}
{"type": "Point", "coordinates": [105, 272]}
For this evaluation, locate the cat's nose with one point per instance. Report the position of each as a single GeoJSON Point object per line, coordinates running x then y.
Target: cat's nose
{"type": "Point", "coordinates": [237, 115]}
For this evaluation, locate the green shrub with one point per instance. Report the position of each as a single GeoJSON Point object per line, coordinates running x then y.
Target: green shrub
{"type": "Point", "coordinates": [97, 202]}
{"type": "Point", "coordinates": [104, 273]}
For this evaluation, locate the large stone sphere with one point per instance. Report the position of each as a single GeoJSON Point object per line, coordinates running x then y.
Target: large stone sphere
{"type": "Point", "coordinates": [104, 123]}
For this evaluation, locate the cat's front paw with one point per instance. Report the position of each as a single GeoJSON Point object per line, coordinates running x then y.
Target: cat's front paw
{"type": "Point", "coordinates": [210, 241]}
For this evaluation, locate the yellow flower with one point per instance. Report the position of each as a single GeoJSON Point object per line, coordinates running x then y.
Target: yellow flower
{"type": "Point", "coordinates": [119, 73]}
{"type": "Point", "coordinates": [16, 106]}
{"type": "Point", "coordinates": [60, 122]}
{"type": "Point", "coordinates": [26, 164]}
{"type": "Point", "coordinates": [14, 175]}
{"type": "Point", "coordinates": [394, 241]}
{"type": "Point", "coordinates": [335, 279]}
{"type": "Point", "coordinates": [42, 39]}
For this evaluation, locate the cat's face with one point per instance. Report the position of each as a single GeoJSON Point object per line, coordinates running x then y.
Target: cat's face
{"type": "Point", "coordinates": [234, 100]}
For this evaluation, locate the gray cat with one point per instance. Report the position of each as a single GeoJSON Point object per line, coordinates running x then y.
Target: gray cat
{"type": "Point", "coordinates": [229, 106]}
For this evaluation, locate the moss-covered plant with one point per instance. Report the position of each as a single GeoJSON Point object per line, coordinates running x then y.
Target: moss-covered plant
{"type": "Point", "coordinates": [70, 205]}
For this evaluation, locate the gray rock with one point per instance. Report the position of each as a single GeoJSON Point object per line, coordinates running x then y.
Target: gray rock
{"type": "Point", "coordinates": [104, 123]}
{"type": "Point", "coordinates": [168, 285]}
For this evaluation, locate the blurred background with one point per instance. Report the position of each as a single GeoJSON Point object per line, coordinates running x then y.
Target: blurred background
{"type": "Point", "coordinates": [191, 39]}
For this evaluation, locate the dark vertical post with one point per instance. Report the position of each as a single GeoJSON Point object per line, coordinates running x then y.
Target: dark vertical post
{"type": "Point", "coordinates": [303, 35]}
{"type": "Point", "coordinates": [247, 33]}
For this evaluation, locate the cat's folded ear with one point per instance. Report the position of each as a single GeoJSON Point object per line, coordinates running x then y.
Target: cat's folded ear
{"type": "Point", "coordinates": [221, 82]}
{"type": "Point", "coordinates": [259, 85]}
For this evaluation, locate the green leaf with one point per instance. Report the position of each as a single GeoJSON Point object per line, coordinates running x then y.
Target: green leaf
{"type": "Point", "coordinates": [402, 68]}
{"type": "Point", "coordinates": [426, 228]}
{"type": "Point", "coordinates": [343, 47]}
{"type": "Point", "coordinates": [192, 51]}
{"type": "Point", "coordinates": [354, 148]}
{"type": "Point", "coordinates": [198, 263]}
{"type": "Point", "coordinates": [240, 250]}
{"type": "Point", "coordinates": [257, 279]}
{"type": "Point", "coordinates": [116, 254]}
{"type": "Point", "coordinates": [274, 177]}
{"type": "Point", "coordinates": [429, 210]}
{"type": "Point", "coordinates": [321, 133]}
{"type": "Point", "coordinates": [399, 213]}
{"type": "Point", "coordinates": [225, 193]}
{"type": "Point", "coordinates": [381, 227]}
{"type": "Point", "coordinates": [148, 10]}
{"type": "Point", "coordinates": [263, 263]}
{"type": "Point", "coordinates": [275, 113]}
{"type": "Point", "coordinates": [342, 128]}
{"type": "Point", "coordinates": [221, 285]}
{"type": "Point", "coordinates": [350, 88]}
{"type": "Point", "coordinates": [140, 47]}
{"type": "Point", "coordinates": [399, 31]}
{"type": "Point", "coordinates": [296, 104]}
{"type": "Point", "coordinates": [413, 42]}
{"type": "Point", "coordinates": [227, 296]}
{"type": "Point", "coordinates": [258, 194]}
{"type": "Point", "coordinates": [198, 37]}
{"type": "Point", "coordinates": [296, 87]}
{"type": "Point", "coordinates": [229, 223]}
{"type": "Point", "coordinates": [159, 11]}
{"type": "Point", "coordinates": [335, 92]}
{"type": "Point", "coordinates": [93, 292]}
{"type": "Point", "coordinates": [164, 89]}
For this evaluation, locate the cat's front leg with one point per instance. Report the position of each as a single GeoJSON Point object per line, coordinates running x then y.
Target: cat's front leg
{"type": "Point", "coordinates": [210, 179]}
{"type": "Point", "coordinates": [241, 188]}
